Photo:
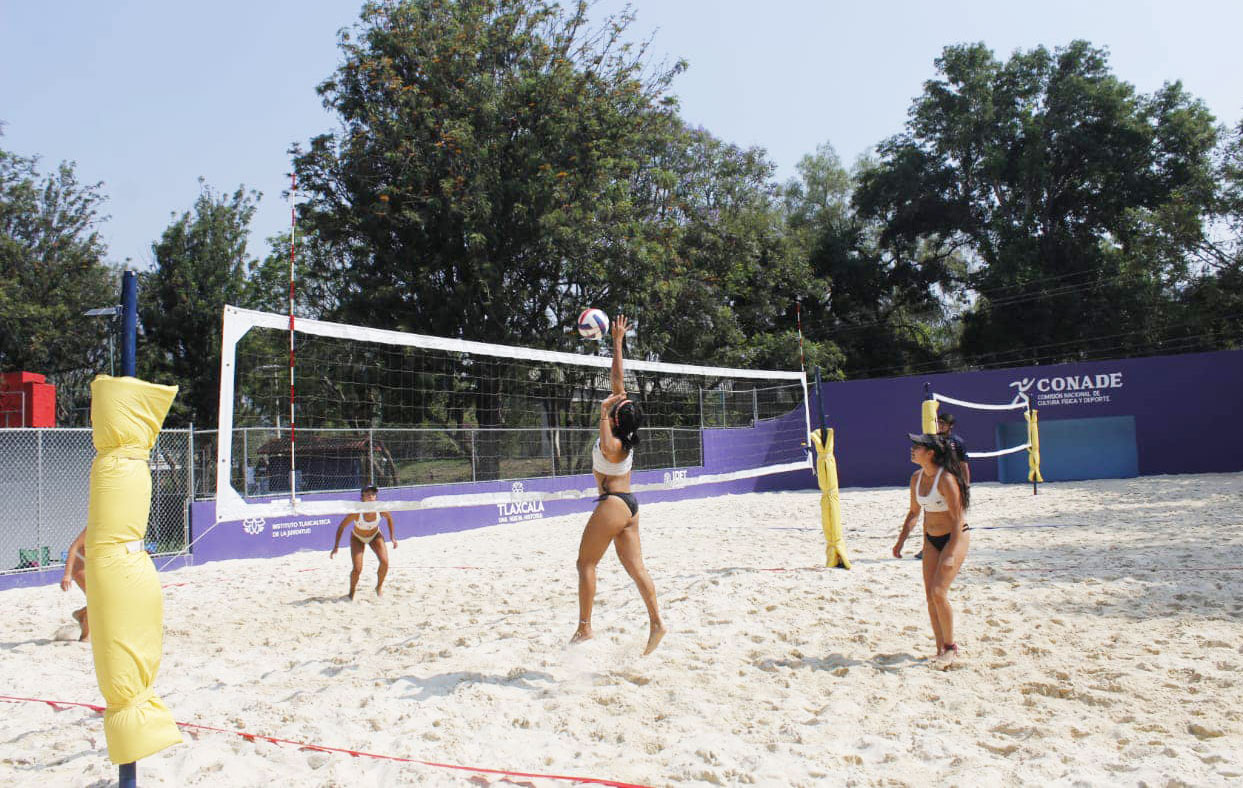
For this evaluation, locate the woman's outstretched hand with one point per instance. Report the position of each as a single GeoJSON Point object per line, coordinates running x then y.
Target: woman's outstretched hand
{"type": "Point", "coordinates": [619, 327]}
{"type": "Point", "coordinates": [606, 406]}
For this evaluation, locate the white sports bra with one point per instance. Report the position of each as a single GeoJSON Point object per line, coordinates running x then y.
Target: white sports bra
{"type": "Point", "coordinates": [601, 464]}
{"type": "Point", "coordinates": [934, 501]}
{"type": "Point", "coordinates": [363, 525]}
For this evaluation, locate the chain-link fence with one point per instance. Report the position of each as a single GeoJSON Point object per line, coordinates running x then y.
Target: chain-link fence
{"type": "Point", "coordinates": [45, 485]}
{"type": "Point", "coordinates": [345, 459]}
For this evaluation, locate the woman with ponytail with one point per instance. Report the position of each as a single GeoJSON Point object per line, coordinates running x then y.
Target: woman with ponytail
{"type": "Point", "coordinates": [616, 517]}
{"type": "Point", "coordinates": [940, 489]}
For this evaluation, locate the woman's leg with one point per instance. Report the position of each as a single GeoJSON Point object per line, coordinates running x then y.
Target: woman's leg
{"type": "Point", "coordinates": [630, 554]}
{"type": "Point", "coordinates": [79, 615]}
{"type": "Point", "coordinates": [356, 556]}
{"type": "Point", "coordinates": [930, 557]}
{"type": "Point", "coordinates": [948, 564]}
{"type": "Point", "coordinates": [609, 517]}
{"type": "Point", "coordinates": [381, 552]}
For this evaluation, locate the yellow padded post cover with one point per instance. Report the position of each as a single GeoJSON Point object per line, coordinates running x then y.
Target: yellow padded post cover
{"type": "Point", "coordinates": [124, 600]}
{"type": "Point", "coordinates": [929, 414]}
{"type": "Point", "coordinates": [1033, 452]}
{"type": "Point", "coordinates": [830, 501]}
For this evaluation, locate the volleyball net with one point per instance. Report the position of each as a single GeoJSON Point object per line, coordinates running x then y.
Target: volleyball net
{"type": "Point", "coordinates": [1022, 403]}
{"type": "Point", "coordinates": [409, 411]}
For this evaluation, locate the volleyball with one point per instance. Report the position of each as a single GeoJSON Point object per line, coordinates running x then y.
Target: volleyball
{"type": "Point", "coordinates": [593, 323]}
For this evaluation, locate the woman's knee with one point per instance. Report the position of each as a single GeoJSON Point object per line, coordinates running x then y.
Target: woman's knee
{"type": "Point", "coordinates": [585, 565]}
{"type": "Point", "coordinates": [939, 593]}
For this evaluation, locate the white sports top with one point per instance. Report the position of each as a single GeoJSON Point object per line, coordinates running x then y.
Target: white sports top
{"type": "Point", "coordinates": [601, 464]}
{"type": "Point", "coordinates": [365, 526]}
{"type": "Point", "coordinates": [934, 501]}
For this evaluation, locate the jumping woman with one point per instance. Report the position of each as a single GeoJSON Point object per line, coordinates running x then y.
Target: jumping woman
{"type": "Point", "coordinates": [943, 497]}
{"type": "Point", "coordinates": [616, 517]}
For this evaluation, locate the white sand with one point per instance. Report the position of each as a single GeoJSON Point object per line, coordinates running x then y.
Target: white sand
{"type": "Point", "coordinates": [1105, 652]}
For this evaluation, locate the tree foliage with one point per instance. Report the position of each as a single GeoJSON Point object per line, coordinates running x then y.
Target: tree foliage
{"type": "Point", "coordinates": [1075, 198]}
{"type": "Point", "coordinates": [501, 164]}
{"type": "Point", "coordinates": [200, 265]}
{"type": "Point", "coordinates": [875, 309]}
{"type": "Point", "coordinates": [52, 269]}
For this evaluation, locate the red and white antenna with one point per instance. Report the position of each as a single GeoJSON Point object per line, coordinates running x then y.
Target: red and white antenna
{"type": "Point", "coordinates": [293, 245]}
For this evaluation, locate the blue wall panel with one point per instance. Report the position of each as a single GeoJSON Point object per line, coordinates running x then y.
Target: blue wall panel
{"type": "Point", "coordinates": [1073, 449]}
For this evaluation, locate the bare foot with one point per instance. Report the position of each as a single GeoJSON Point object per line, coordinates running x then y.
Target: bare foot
{"type": "Point", "coordinates": [351, 595]}
{"type": "Point", "coordinates": [79, 615]}
{"type": "Point", "coordinates": [582, 633]}
{"type": "Point", "coordinates": [946, 658]}
{"type": "Point", "coordinates": [379, 591]}
{"type": "Point", "coordinates": [654, 638]}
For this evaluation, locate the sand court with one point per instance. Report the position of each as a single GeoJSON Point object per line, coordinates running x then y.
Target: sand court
{"type": "Point", "coordinates": [1101, 625]}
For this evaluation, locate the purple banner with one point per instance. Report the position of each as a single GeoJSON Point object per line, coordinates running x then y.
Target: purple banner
{"type": "Point", "coordinates": [777, 441]}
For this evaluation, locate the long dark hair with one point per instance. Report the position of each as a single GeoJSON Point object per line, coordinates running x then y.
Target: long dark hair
{"type": "Point", "coordinates": [627, 419]}
{"type": "Point", "coordinates": [945, 455]}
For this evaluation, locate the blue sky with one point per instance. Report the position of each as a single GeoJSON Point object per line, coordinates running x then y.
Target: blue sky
{"type": "Point", "coordinates": [148, 95]}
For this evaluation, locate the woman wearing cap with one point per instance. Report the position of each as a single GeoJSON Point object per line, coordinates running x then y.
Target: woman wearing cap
{"type": "Point", "coordinates": [616, 517]}
{"type": "Point", "coordinates": [943, 497]}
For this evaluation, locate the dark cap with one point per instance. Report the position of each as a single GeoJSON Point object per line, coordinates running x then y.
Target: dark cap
{"type": "Point", "coordinates": [947, 418]}
{"type": "Point", "coordinates": [920, 439]}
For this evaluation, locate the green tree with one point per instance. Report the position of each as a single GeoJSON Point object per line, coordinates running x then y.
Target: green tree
{"type": "Point", "coordinates": [732, 273]}
{"type": "Point", "coordinates": [877, 309]}
{"type": "Point", "coordinates": [200, 265]}
{"type": "Point", "coordinates": [52, 270]}
{"type": "Point", "coordinates": [1075, 199]}
{"type": "Point", "coordinates": [1214, 301]}
{"type": "Point", "coordinates": [479, 185]}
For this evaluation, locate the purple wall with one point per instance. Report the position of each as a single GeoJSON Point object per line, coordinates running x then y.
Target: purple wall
{"type": "Point", "coordinates": [52, 575]}
{"type": "Point", "coordinates": [1185, 409]}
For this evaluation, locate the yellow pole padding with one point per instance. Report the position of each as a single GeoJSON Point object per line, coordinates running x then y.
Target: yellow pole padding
{"type": "Point", "coordinates": [123, 596]}
{"type": "Point", "coordinates": [830, 501]}
{"type": "Point", "coordinates": [930, 416]}
{"type": "Point", "coordinates": [1033, 451]}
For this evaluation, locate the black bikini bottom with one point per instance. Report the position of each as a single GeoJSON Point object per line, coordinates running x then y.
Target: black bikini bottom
{"type": "Point", "coordinates": [939, 542]}
{"type": "Point", "coordinates": [631, 502]}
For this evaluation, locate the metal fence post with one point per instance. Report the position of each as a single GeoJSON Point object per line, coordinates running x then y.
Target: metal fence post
{"type": "Point", "coordinates": [474, 441]}
{"type": "Point", "coordinates": [245, 457]}
{"type": "Point", "coordinates": [755, 406]}
{"type": "Point", "coordinates": [371, 455]}
{"type": "Point", "coordinates": [39, 497]}
{"type": "Point", "coordinates": [190, 464]}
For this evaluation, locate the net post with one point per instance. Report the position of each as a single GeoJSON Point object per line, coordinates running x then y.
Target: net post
{"type": "Point", "coordinates": [673, 448]}
{"type": "Point", "coordinates": [129, 323]}
{"type": "Point", "coordinates": [824, 432]}
{"type": "Point", "coordinates": [246, 456]}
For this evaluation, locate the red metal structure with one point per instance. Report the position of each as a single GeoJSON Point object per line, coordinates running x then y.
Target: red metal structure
{"type": "Point", "coordinates": [26, 400]}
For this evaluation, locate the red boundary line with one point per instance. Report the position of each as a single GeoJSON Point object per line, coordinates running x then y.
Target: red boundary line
{"type": "Point", "coordinates": [59, 705]}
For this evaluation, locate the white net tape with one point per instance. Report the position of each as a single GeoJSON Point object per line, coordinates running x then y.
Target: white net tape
{"type": "Point", "coordinates": [1024, 405]}
{"type": "Point", "coordinates": [977, 455]}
